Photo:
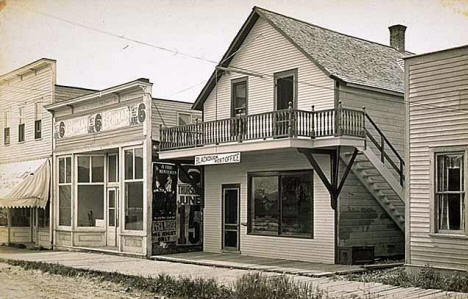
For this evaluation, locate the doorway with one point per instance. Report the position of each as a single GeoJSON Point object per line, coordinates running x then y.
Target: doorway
{"type": "Point", "coordinates": [285, 95]}
{"type": "Point", "coordinates": [230, 221]}
{"type": "Point", "coordinates": [112, 216]}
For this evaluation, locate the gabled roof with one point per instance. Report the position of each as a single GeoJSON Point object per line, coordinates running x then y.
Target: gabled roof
{"type": "Point", "coordinates": [340, 56]}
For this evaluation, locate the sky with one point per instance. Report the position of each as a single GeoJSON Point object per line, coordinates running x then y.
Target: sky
{"type": "Point", "coordinates": [176, 44]}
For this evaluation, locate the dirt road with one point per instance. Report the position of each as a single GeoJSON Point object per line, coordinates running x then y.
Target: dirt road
{"type": "Point", "coordinates": [16, 282]}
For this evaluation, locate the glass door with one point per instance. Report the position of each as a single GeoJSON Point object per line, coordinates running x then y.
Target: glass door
{"type": "Point", "coordinates": [231, 217]}
{"type": "Point", "coordinates": [112, 216]}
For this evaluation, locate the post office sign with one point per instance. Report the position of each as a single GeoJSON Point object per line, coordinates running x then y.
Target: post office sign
{"type": "Point", "coordinates": [217, 159]}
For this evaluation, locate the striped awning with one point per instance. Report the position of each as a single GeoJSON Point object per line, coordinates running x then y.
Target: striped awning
{"type": "Point", "coordinates": [25, 184]}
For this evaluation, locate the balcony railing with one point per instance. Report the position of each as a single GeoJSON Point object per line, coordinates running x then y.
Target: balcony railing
{"type": "Point", "coordinates": [276, 124]}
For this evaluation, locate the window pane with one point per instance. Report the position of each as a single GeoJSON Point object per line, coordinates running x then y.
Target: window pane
{"type": "Point", "coordinates": [284, 92]}
{"type": "Point", "coordinates": [134, 206]}
{"type": "Point", "coordinates": [296, 200]}
{"type": "Point", "coordinates": [265, 212]}
{"type": "Point", "coordinates": [138, 163]}
{"type": "Point", "coordinates": [83, 169]}
{"type": "Point", "coordinates": [37, 129]}
{"type": "Point", "coordinates": [129, 164]}
{"type": "Point", "coordinates": [20, 217]}
{"type": "Point", "coordinates": [91, 205]}
{"type": "Point", "coordinates": [21, 133]}
{"type": "Point", "coordinates": [44, 215]}
{"type": "Point", "coordinates": [184, 119]}
{"type": "Point", "coordinates": [230, 206]}
{"type": "Point", "coordinates": [68, 170]}
{"type": "Point", "coordinates": [111, 217]}
{"type": "Point", "coordinates": [65, 205]}
{"type": "Point", "coordinates": [98, 169]}
{"type": "Point", "coordinates": [113, 166]}
{"type": "Point", "coordinates": [3, 217]}
{"type": "Point", "coordinates": [62, 170]}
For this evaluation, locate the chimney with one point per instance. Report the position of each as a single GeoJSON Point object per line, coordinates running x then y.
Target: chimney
{"type": "Point", "coordinates": [397, 37]}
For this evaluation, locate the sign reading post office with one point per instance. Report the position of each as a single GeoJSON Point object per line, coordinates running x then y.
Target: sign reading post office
{"type": "Point", "coordinates": [217, 159]}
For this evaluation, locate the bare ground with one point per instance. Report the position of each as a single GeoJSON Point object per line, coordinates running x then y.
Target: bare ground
{"type": "Point", "coordinates": [15, 282]}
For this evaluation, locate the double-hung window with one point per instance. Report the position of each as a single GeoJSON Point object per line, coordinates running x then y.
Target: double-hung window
{"type": "Point", "coordinates": [450, 190]}
{"type": "Point", "coordinates": [6, 127]}
{"type": "Point", "coordinates": [133, 185]}
{"type": "Point", "coordinates": [21, 124]}
{"type": "Point", "coordinates": [64, 191]}
{"type": "Point", "coordinates": [281, 204]}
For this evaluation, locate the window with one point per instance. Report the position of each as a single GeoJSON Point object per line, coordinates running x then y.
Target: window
{"type": "Point", "coordinates": [6, 136]}
{"type": "Point", "coordinates": [90, 191]}
{"type": "Point", "coordinates": [134, 189]}
{"type": "Point", "coordinates": [183, 119]}
{"type": "Point", "coordinates": [450, 192]}
{"type": "Point", "coordinates": [6, 127]}
{"type": "Point", "coordinates": [285, 89]}
{"type": "Point", "coordinates": [239, 97]}
{"type": "Point", "coordinates": [113, 168]}
{"type": "Point", "coordinates": [38, 129]}
{"type": "Point", "coordinates": [64, 196]}
{"type": "Point", "coordinates": [20, 217]}
{"type": "Point", "coordinates": [21, 124]}
{"type": "Point", "coordinates": [3, 217]}
{"type": "Point", "coordinates": [281, 204]}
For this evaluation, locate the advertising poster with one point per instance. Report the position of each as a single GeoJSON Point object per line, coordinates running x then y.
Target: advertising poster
{"type": "Point", "coordinates": [189, 206]}
{"type": "Point", "coordinates": [164, 204]}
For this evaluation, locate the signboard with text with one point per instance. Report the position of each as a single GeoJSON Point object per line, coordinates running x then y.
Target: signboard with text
{"type": "Point", "coordinates": [215, 159]}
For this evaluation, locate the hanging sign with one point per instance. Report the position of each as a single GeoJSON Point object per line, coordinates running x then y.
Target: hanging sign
{"type": "Point", "coordinates": [217, 159]}
{"type": "Point", "coordinates": [103, 121]}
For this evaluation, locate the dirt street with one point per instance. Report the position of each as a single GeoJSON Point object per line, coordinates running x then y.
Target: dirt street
{"type": "Point", "coordinates": [16, 282]}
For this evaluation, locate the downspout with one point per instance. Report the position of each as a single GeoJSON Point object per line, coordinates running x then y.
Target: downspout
{"type": "Point", "coordinates": [337, 213]}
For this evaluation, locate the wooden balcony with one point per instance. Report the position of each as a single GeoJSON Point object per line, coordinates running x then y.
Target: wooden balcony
{"type": "Point", "coordinates": [288, 123]}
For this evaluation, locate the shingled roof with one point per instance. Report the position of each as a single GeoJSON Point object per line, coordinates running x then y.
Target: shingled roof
{"type": "Point", "coordinates": [347, 58]}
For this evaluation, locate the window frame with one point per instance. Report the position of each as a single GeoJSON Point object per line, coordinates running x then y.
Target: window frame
{"type": "Point", "coordinates": [237, 81]}
{"type": "Point", "coordinates": [283, 74]}
{"type": "Point", "coordinates": [279, 174]}
{"type": "Point", "coordinates": [434, 205]}
{"type": "Point", "coordinates": [21, 133]}
{"type": "Point", "coordinates": [72, 174]}
{"type": "Point", "coordinates": [38, 133]}
{"type": "Point", "coordinates": [89, 183]}
{"type": "Point", "coordinates": [124, 180]}
{"type": "Point", "coordinates": [179, 113]}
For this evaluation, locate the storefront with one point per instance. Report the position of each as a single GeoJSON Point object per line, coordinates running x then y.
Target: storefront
{"type": "Point", "coordinates": [102, 182]}
{"type": "Point", "coordinates": [25, 204]}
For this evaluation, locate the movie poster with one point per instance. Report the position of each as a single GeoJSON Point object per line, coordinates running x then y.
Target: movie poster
{"type": "Point", "coordinates": [164, 204]}
{"type": "Point", "coordinates": [189, 206]}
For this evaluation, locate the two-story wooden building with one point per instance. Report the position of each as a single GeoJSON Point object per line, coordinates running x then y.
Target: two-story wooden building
{"type": "Point", "coordinates": [295, 167]}
{"type": "Point", "coordinates": [437, 155]}
{"type": "Point", "coordinates": [26, 151]}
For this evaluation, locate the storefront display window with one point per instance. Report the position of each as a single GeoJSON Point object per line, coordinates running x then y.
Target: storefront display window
{"type": "Point", "coordinates": [20, 217]}
{"type": "Point", "coordinates": [3, 217]}
{"type": "Point", "coordinates": [91, 191]}
{"type": "Point", "coordinates": [281, 204]}
{"type": "Point", "coordinates": [64, 192]}
{"type": "Point", "coordinates": [134, 189]}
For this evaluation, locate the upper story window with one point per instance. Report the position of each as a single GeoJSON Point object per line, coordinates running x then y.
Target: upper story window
{"type": "Point", "coordinates": [184, 119]}
{"type": "Point", "coordinates": [239, 97]}
{"type": "Point", "coordinates": [285, 89]}
{"type": "Point", "coordinates": [38, 121]}
{"type": "Point", "coordinates": [450, 192]}
{"type": "Point", "coordinates": [6, 127]}
{"type": "Point", "coordinates": [21, 124]}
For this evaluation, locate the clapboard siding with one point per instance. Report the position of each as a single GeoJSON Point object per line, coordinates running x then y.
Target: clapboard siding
{"type": "Point", "coordinates": [25, 90]}
{"type": "Point", "coordinates": [165, 113]}
{"type": "Point", "coordinates": [319, 249]}
{"type": "Point", "coordinates": [63, 93]}
{"type": "Point", "coordinates": [267, 51]}
{"type": "Point", "coordinates": [437, 117]}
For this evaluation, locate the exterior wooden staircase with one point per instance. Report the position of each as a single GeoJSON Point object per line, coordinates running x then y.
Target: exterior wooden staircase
{"type": "Point", "coordinates": [376, 169]}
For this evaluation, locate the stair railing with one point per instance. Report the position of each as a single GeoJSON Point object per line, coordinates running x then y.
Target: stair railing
{"type": "Point", "coordinates": [383, 144]}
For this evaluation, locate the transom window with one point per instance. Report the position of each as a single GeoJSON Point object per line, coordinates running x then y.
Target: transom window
{"type": "Point", "coordinates": [281, 204]}
{"type": "Point", "coordinates": [450, 192]}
